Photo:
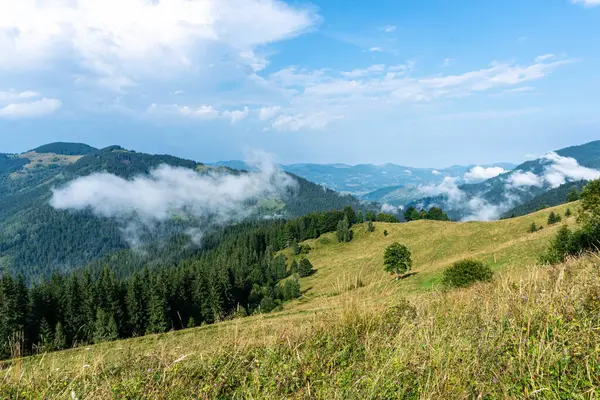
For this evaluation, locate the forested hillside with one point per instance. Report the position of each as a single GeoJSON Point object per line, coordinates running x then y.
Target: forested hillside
{"type": "Point", "coordinates": [553, 197]}
{"type": "Point", "coordinates": [237, 272]}
{"type": "Point", "coordinates": [36, 239]}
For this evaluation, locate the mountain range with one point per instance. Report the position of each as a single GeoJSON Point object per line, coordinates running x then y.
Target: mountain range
{"type": "Point", "coordinates": [365, 180]}
{"type": "Point", "coordinates": [37, 238]}
{"type": "Point", "coordinates": [557, 172]}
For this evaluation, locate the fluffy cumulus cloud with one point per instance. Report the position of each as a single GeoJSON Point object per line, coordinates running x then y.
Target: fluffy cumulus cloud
{"type": "Point", "coordinates": [557, 171]}
{"type": "Point", "coordinates": [436, 172]}
{"type": "Point", "coordinates": [520, 179]}
{"type": "Point", "coordinates": [27, 104]}
{"type": "Point", "coordinates": [268, 113]}
{"type": "Point", "coordinates": [126, 39]}
{"type": "Point", "coordinates": [220, 198]}
{"type": "Point", "coordinates": [479, 173]}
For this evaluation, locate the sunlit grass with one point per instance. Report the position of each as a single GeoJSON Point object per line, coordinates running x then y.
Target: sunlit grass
{"type": "Point", "coordinates": [533, 331]}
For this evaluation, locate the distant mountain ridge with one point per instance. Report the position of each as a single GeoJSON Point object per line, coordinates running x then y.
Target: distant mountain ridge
{"type": "Point", "coordinates": [36, 239]}
{"type": "Point", "coordinates": [363, 179]}
{"type": "Point", "coordinates": [504, 194]}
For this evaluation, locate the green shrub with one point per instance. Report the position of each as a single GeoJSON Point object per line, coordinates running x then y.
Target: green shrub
{"type": "Point", "coordinates": [464, 273]}
{"type": "Point", "coordinates": [553, 218]}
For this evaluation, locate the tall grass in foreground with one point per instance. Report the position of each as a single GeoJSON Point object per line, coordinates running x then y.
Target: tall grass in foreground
{"type": "Point", "coordinates": [531, 337]}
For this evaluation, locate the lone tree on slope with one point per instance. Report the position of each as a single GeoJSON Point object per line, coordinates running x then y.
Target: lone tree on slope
{"type": "Point", "coordinates": [397, 259]}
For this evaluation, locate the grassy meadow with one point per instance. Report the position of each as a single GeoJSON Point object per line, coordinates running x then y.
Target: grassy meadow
{"type": "Point", "coordinates": [356, 333]}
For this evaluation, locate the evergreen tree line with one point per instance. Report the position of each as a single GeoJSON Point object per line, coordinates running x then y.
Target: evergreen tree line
{"type": "Point", "coordinates": [239, 275]}
{"type": "Point", "coordinates": [434, 213]}
{"type": "Point", "coordinates": [586, 237]}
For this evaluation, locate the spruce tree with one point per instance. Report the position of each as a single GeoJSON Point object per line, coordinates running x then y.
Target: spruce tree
{"type": "Point", "coordinates": [112, 330]}
{"type": "Point", "coordinates": [533, 228]}
{"type": "Point", "coordinates": [305, 268]}
{"type": "Point", "coordinates": [60, 338]}
{"type": "Point", "coordinates": [157, 309]}
{"type": "Point", "coordinates": [100, 326]}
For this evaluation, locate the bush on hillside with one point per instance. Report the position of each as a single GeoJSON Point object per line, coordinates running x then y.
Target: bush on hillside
{"type": "Point", "coordinates": [568, 243]}
{"type": "Point", "coordinates": [568, 213]}
{"type": "Point", "coordinates": [553, 218]}
{"type": "Point", "coordinates": [305, 268]}
{"type": "Point", "coordinates": [533, 228]}
{"type": "Point", "coordinates": [370, 227]}
{"type": "Point", "coordinates": [464, 273]}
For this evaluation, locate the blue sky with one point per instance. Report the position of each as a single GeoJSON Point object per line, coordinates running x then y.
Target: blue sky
{"type": "Point", "coordinates": [425, 83]}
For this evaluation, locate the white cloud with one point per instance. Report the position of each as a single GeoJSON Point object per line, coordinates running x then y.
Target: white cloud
{"type": "Point", "coordinates": [479, 173]}
{"type": "Point", "coordinates": [376, 49]}
{"type": "Point", "coordinates": [204, 111]}
{"type": "Point", "coordinates": [373, 69]}
{"type": "Point", "coordinates": [395, 84]}
{"type": "Point", "coordinates": [587, 3]}
{"type": "Point", "coordinates": [389, 28]}
{"type": "Point", "coordinates": [436, 172]}
{"type": "Point", "coordinates": [473, 208]}
{"type": "Point", "coordinates": [237, 115]}
{"type": "Point", "coordinates": [544, 57]}
{"type": "Point", "coordinates": [166, 191]}
{"type": "Point", "coordinates": [557, 171]}
{"type": "Point", "coordinates": [123, 40]}
{"type": "Point", "coordinates": [520, 179]}
{"type": "Point", "coordinates": [267, 113]}
{"type": "Point", "coordinates": [521, 89]}
{"type": "Point", "coordinates": [296, 122]}
{"type": "Point", "coordinates": [12, 95]}
{"type": "Point", "coordinates": [38, 108]}
{"type": "Point", "coordinates": [563, 169]}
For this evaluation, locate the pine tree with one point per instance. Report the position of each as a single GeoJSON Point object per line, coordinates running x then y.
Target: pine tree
{"type": "Point", "coordinates": [46, 337]}
{"type": "Point", "coordinates": [157, 318]}
{"type": "Point", "coordinates": [568, 213]}
{"type": "Point", "coordinates": [100, 326]}
{"type": "Point", "coordinates": [294, 247]}
{"type": "Point", "coordinates": [191, 323]}
{"type": "Point", "coordinates": [305, 268]}
{"type": "Point", "coordinates": [60, 338]}
{"type": "Point", "coordinates": [134, 302]}
{"type": "Point", "coordinates": [533, 228]}
{"type": "Point", "coordinates": [112, 330]}
{"type": "Point", "coordinates": [553, 218]}
{"type": "Point", "coordinates": [573, 195]}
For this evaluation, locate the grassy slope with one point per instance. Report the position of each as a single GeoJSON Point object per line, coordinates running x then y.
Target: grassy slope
{"type": "Point", "coordinates": [330, 292]}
